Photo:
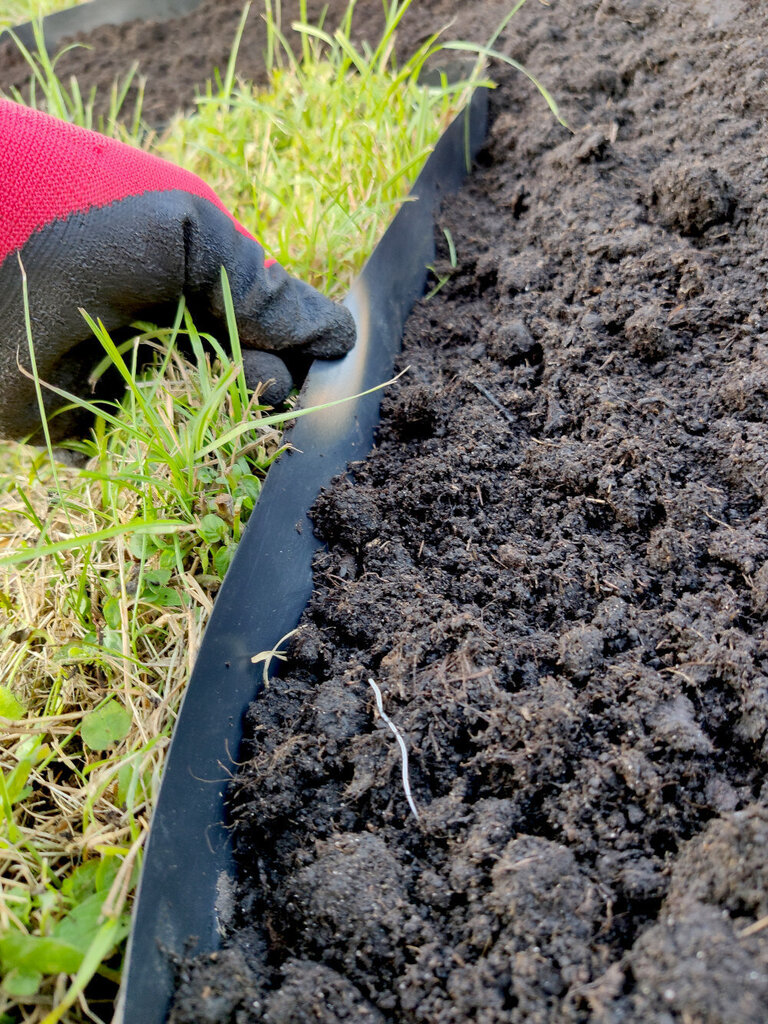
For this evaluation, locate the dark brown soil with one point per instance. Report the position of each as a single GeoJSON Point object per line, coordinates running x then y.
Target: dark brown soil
{"type": "Point", "coordinates": [555, 566]}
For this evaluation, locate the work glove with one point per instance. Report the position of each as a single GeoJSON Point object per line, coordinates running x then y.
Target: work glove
{"type": "Point", "coordinates": [103, 226]}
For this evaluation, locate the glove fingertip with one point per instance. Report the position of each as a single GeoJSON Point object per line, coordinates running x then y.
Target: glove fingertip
{"type": "Point", "coordinates": [338, 334]}
{"type": "Point", "coordinates": [264, 367]}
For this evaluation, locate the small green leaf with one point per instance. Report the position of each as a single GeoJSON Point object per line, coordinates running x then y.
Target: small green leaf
{"type": "Point", "coordinates": [167, 558]}
{"type": "Point", "coordinates": [10, 707]}
{"type": "Point", "coordinates": [111, 612]}
{"type": "Point", "coordinates": [250, 485]}
{"type": "Point", "coordinates": [80, 926]}
{"type": "Point", "coordinates": [212, 529]}
{"type": "Point", "coordinates": [140, 545]}
{"type": "Point", "coordinates": [205, 475]}
{"type": "Point", "coordinates": [106, 725]}
{"type": "Point", "coordinates": [82, 882]}
{"type": "Point", "coordinates": [112, 640]}
{"type": "Point", "coordinates": [164, 597]}
{"type": "Point", "coordinates": [43, 954]}
{"type": "Point", "coordinates": [157, 577]}
{"type": "Point", "coordinates": [222, 560]}
{"type": "Point", "coordinates": [21, 984]}
{"type": "Point", "coordinates": [108, 937]}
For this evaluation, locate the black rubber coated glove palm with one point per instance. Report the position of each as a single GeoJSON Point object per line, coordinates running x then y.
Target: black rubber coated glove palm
{"type": "Point", "coordinates": [122, 234]}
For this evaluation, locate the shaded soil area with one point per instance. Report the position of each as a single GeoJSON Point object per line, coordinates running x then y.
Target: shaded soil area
{"type": "Point", "coordinates": [554, 565]}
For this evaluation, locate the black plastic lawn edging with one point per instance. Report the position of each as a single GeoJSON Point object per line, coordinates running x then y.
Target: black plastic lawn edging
{"type": "Point", "coordinates": [86, 17]}
{"type": "Point", "coordinates": [186, 886]}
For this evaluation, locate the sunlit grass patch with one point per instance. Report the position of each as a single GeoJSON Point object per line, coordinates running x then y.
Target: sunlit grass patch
{"type": "Point", "coordinates": [316, 163]}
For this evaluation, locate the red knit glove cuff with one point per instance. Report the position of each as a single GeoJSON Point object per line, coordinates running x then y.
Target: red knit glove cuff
{"type": "Point", "coordinates": [50, 169]}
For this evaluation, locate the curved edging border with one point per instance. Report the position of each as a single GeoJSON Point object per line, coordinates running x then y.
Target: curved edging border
{"type": "Point", "coordinates": [188, 871]}
{"type": "Point", "coordinates": [88, 16]}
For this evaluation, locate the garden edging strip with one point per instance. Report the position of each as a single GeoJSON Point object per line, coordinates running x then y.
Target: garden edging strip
{"type": "Point", "coordinates": [188, 873]}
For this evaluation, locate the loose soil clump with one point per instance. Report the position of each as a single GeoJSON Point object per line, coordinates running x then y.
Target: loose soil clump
{"type": "Point", "coordinates": [555, 566]}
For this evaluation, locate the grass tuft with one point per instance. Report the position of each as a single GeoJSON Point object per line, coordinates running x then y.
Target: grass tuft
{"type": "Point", "coordinates": [66, 101]}
{"type": "Point", "coordinates": [337, 138]}
{"type": "Point", "coordinates": [108, 578]}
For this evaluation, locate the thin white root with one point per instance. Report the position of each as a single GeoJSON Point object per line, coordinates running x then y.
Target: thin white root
{"type": "Point", "coordinates": [401, 744]}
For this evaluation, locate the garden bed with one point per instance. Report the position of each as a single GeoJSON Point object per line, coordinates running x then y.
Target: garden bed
{"type": "Point", "coordinates": [555, 567]}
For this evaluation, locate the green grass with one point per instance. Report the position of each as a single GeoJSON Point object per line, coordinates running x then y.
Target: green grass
{"type": "Point", "coordinates": [119, 565]}
{"type": "Point", "coordinates": [338, 138]}
{"type": "Point", "coordinates": [16, 12]}
{"type": "Point", "coordinates": [107, 573]}
{"type": "Point", "coordinates": [66, 100]}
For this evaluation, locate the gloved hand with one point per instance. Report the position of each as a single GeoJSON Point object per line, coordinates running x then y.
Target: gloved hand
{"type": "Point", "coordinates": [123, 234]}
